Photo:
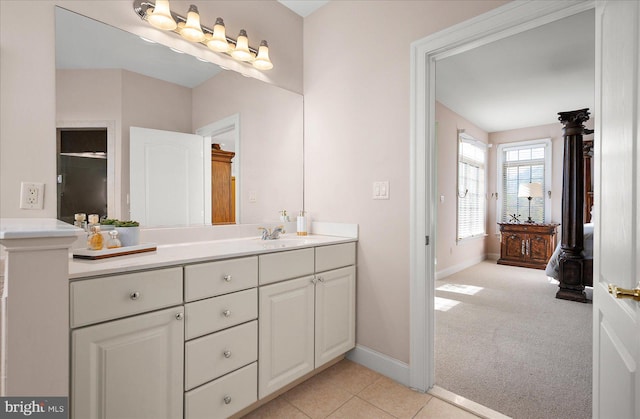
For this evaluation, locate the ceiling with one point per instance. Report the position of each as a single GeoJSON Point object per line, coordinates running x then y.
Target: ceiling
{"type": "Point", "coordinates": [523, 80]}
{"type": "Point", "coordinates": [303, 7]}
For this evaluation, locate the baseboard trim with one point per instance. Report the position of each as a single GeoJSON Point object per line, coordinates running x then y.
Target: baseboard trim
{"type": "Point", "coordinates": [459, 267]}
{"type": "Point", "coordinates": [380, 363]}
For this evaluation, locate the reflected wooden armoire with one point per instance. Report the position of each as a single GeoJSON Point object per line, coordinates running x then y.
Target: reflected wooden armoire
{"type": "Point", "coordinates": [223, 208]}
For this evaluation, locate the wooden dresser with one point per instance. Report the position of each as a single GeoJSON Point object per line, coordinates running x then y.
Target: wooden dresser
{"type": "Point", "coordinates": [222, 187]}
{"type": "Point", "coordinates": [526, 245]}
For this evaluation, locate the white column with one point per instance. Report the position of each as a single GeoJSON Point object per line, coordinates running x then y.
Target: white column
{"type": "Point", "coordinates": [34, 345]}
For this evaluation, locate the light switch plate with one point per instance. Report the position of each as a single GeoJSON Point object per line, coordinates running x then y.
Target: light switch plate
{"type": "Point", "coordinates": [381, 189]}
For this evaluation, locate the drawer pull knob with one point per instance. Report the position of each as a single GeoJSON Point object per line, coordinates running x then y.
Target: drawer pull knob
{"type": "Point", "coordinates": [321, 279]}
{"type": "Point", "coordinates": [226, 313]}
{"type": "Point", "coordinates": [227, 278]}
{"type": "Point", "coordinates": [227, 399]}
{"type": "Point", "coordinates": [134, 295]}
{"type": "Point", "coordinates": [227, 354]}
{"type": "Point", "coordinates": [179, 316]}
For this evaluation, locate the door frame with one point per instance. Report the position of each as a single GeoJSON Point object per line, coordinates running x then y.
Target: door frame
{"type": "Point", "coordinates": [114, 159]}
{"type": "Point", "coordinates": [509, 19]}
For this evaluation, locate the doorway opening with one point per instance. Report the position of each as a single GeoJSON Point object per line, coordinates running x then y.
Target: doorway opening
{"type": "Point", "coordinates": [82, 172]}
{"type": "Point", "coordinates": [502, 22]}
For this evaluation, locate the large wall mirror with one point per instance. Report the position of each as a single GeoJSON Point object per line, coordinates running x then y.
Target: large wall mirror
{"type": "Point", "coordinates": [109, 81]}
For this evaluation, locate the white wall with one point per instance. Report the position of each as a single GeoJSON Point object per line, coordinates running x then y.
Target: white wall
{"type": "Point", "coordinates": [356, 87]}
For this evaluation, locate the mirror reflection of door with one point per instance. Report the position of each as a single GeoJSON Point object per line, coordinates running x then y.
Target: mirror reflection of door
{"type": "Point", "coordinates": [82, 172]}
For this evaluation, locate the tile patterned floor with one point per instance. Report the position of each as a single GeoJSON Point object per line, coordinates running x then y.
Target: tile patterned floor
{"type": "Point", "coordinates": [350, 391]}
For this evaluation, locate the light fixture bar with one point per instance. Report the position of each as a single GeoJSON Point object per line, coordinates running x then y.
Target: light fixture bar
{"type": "Point", "coordinates": [141, 6]}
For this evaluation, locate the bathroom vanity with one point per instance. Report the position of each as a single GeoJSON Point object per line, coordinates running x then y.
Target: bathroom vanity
{"type": "Point", "coordinates": [206, 329]}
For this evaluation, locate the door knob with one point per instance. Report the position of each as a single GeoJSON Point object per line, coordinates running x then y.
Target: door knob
{"type": "Point", "coordinates": [624, 293]}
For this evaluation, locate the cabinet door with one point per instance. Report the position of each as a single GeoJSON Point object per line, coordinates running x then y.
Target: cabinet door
{"type": "Point", "coordinates": [130, 368]}
{"type": "Point", "coordinates": [286, 333]}
{"type": "Point", "coordinates": [539, 245]}
{"type": "Point", "coordinates": [513, 245]}
{"type": "Point", "coordinates": [335, 314]}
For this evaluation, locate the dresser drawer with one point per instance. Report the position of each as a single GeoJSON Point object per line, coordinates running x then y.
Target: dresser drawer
{"type": "Point", "coordinates": [217, 278]}
{"type": "Point", "coordinates": [276, 267]}
{"type": "Point", "coordinates": [213, 314]}
{"type": "Point", "coordinates": [101, 299]}
{"type": "Point", "coordinates": [335, 256]}
{"type": "Point", "coordinates": [212, 356]}
{"type": "Point", "coordinates": [224, 396]}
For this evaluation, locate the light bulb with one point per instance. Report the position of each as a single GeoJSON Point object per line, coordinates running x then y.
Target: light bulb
{"type": "Point", "coordinates": [191, 31]}
{"type": "Point", "coordinates": [241, 51]}
{"type": "Point", "coordinates": [218, 42]}
{"type": "Point", "coordinates": [262, 61]}
{"type": "Point", "coordinates": [160, 16]}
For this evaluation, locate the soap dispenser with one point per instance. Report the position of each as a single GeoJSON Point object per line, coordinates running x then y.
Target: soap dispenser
{"type": "Point", "coordinates": [302, 224]}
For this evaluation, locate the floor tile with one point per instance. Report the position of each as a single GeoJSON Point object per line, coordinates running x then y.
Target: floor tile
{"type": "Point", "coordinates": [317, 397]}
{"type": "Point", "coordinates": [276, 409]}
{"type": "Point", "coordinates": [394, 398]}
{"type": "Point", "coordinates": [438, 409]}
{"type": "Point", "coordinates": [351, 376]}
{"type": "Point", "coordinates": [357, 408]}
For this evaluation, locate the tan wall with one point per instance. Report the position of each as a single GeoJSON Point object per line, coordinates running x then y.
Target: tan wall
{"type": "Point", "coordinates": [449, 252]}
{"type": "Point", "coordinates": [356, 86]}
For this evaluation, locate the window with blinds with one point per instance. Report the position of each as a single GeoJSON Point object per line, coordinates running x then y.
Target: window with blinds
{"type": "Point", "coordinates": [522, 163]}
{"type": "Point", "coordinates": [471, 206]}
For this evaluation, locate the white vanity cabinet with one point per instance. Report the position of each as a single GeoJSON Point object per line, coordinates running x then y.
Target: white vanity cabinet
{"type": "Point", "coordinates": [307, 321]}
{"type": "Point", "coordinates": [127, 367]}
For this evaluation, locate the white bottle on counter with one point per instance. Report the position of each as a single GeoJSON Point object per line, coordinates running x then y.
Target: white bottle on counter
{"type": "Point", "coordinates": [302, 224]}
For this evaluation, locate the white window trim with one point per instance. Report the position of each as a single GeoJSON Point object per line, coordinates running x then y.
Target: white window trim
{"type": "Point", "coordinates": [546, 142]}
{"type": "Point", "coordinates": [469, 139]}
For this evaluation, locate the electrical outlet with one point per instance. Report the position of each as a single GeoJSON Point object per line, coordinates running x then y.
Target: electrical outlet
{"type": "Point", "coordinates": [31, 195]}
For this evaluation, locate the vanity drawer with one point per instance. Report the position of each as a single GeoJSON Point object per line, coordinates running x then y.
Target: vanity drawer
{"type": "Point", "coordinates": [101, 299]}
{"type": "Point", "coordinates": [279, 266]}
{"type": "Point", "coordinates": [224, 396]}
{"type": "Point", "coordinates": [217, 278]}
{"type": "Point", "coordinates": [213, 314]}
{"type": "Point", "coordinates": [211, 356]}
{"type": "Point", "coordinates": [335, 256]}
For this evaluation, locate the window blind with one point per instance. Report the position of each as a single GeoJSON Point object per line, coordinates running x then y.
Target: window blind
{"type": "Point", "coordinates": [471, 201]}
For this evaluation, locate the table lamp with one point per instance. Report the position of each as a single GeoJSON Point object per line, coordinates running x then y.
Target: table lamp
{"type": "Point", "coordinates": [530, 191]}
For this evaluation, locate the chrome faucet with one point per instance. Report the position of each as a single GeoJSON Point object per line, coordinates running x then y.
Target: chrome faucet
{"type": "Point", "coordinates": [268, 234]}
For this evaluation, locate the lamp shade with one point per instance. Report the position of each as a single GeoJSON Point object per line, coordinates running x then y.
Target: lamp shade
{"type": "Point", "coordinates": [160, 16]}
{"type": "Point", "coordinates": [530, 190]}
{"type": "Point", "coordinates": [218, 41]}
{"type": "Point", "coordinates": [262, 61]}
{"type": "Point", "coordinates": [241, 51]}
{"type": "Point", "coordinates": [192, 31]}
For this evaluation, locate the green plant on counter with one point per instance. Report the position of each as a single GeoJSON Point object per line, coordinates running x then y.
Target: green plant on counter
{"type": "Point", "coordinates": [127, 223]}
{"type": "Point", "coordinates": [119, 223]}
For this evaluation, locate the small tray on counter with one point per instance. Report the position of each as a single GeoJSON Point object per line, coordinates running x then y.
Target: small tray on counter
{"type": "Point", "coordinates": [109, 253]}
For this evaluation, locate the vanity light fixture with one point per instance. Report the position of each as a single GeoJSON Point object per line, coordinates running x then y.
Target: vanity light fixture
{"type": "Point", "coordinates": [160, 16]}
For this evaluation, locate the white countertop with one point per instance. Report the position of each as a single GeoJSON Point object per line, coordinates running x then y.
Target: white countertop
{"type": "Point", "coordinates": [28, 228]}
{"type": "Point", "coordinates": [178, 254]}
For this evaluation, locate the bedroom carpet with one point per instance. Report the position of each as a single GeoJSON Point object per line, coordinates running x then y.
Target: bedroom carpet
{"type": "Point", "coordinates": [503, 340]}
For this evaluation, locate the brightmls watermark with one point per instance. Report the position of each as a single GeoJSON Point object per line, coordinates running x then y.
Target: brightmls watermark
{"type": "Point", "coordinates": [34, 407]}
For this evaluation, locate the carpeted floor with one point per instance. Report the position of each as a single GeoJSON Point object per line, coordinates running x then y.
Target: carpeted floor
{"type": "Point", "coordinates": [503, 340]}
